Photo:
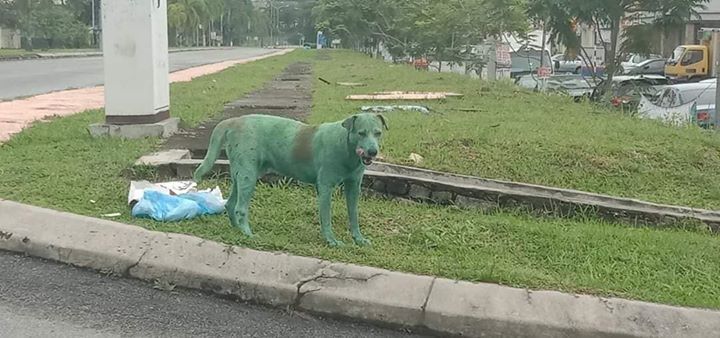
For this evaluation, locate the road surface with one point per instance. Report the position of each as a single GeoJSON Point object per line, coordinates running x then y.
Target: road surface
{"type": "Point", "coordinates": [31, 77]}
{"type": "Point", "coordinates": [46, 299]}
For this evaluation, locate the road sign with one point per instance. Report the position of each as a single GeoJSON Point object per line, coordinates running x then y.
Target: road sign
{"type": "Point", "coordinates": [544, 72]}
{"type": "Point", "coordinates": [502, 55]}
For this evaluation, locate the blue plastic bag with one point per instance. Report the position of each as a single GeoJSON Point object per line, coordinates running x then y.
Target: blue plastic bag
{"type": "Point", "coordinates": [167, 208]}
{"type": "Point", "coordinates": [209, 204]}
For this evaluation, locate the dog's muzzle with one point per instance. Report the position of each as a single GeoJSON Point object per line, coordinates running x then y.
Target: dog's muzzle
{"type": "Point", "coordinates": [365, 157]}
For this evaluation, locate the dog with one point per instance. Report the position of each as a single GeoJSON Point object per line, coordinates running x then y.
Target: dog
{"type": "Point", "coordinates": [324, 155]}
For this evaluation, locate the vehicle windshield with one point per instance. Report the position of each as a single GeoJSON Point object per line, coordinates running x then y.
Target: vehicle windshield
{"type": "Point", "coordinates": [677, 54]}
{"type": "Point", "coordinates": [528, 60]}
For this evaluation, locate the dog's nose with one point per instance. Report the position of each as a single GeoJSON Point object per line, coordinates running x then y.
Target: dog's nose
{"type": "Point", "coordinates": [372, 152]}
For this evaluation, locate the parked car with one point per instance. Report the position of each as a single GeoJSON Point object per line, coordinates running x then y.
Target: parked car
{"type": "Point", "coordinates": [563, 64]}
{"type": "Point", "coordinates": [692, 102]}
{"type": "Point", "coordinates": [703, 93]}
{"type": "Point", "coordinates": [634, 59]}
{"type": "Point", "coordinates": [573, 85]}
{"type": "Point", "coordinates": [527, 61]}
{"type": "Point", "coordinates": [597, 71]}
{"type": "Point", "coordinates": [647, 67]}
{"type": "Point", "coordinates": [626, 90]}
{"type": "Point", "coordinates": [705, 115]}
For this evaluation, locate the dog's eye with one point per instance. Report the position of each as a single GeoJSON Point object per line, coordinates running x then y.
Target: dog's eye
{"type": "Point", "coordinates": [378, 134]}
{"type": "Point", "coordinates": [363, 134]}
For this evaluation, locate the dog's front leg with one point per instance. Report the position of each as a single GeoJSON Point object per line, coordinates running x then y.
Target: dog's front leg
{"type": "Point", "coordinates": [324, 192]}
{"type": "Point", "coordinates": [352, 196]}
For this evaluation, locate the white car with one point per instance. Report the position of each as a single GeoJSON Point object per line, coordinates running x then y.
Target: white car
{"type": "Point", "coordinates": [681, 104]}
{"type": "Point", "coordinates": [677, 95]}
{"type": "Point", "coordinates": [564, 65]}
{"type": "Point", "coordinates": [633, 60]}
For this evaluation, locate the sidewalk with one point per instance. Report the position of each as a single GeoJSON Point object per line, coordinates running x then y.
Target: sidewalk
{"type": "Point", "coordinates": [362, 293]}
{"type": "Point", "coordinates": [18, 114]}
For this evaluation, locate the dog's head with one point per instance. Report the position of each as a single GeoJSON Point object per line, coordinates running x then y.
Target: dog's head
{"type": "Point", "coordinates": [364, 133]}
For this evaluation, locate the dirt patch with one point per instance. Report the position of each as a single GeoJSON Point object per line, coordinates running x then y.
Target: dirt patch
{"type": "Point", "coordinates": [288, 95]}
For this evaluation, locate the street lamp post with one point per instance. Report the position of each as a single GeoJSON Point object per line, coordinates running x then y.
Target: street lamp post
{"type": "Point", "coordinates": [272, 26]}
{"type": "Point", "coordinates": [94, 26]}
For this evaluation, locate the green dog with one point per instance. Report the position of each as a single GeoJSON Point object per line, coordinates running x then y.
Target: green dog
{"type": "Point", "coordinates": [325, 156]}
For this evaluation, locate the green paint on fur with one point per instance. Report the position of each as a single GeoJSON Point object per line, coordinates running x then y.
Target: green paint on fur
{"type": "Point", "coordinates": [326, 155]}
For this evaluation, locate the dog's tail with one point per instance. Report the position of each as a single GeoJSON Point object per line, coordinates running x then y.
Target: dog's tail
{"type": "Point", "coordinates": [217, 141]}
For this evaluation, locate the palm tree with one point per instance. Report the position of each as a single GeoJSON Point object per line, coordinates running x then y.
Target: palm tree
{"type": "Point", "coordinates": [186, 16]}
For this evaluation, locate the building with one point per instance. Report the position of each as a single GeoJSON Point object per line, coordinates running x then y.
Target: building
{"type": "Point", "coordinates": [9, 38]}
{"type": "Point", "coordinates": [706, 18]}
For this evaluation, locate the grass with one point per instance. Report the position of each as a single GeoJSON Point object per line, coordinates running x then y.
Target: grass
{"type": "Point", "coordinates": [586, 256]}
{"type": "Point", "coordinates": [57, 165]}
{"type": "Point", "coordinates": [520, 136]}
{"type": "Point", "coordinates": [21, 52]}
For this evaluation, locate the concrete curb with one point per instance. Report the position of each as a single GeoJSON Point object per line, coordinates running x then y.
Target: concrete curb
{"type": "Point", "coordinates": [35, 56]}
{"type": "Point", "coordinates": [357, 292]}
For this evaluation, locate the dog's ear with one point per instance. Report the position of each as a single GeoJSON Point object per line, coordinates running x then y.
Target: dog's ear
{"type": "Point", "coordinates": [349, 123]}
{"type": "Point", "coordinates": [382, 119]}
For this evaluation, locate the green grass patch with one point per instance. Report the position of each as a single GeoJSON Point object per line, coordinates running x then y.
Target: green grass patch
{"type": "Point", "coordinates": [58, 165]}
{"type": "Point", "coordinates": [520, 136]}
{"type": "Point", "coordinates": [585, 256]}
{"type": "Point", "coordinates": [4, 52]}
{"type": "Point", "coordinates": [14, 52]}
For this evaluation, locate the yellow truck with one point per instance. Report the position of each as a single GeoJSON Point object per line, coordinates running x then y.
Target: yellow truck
{"type": "Point", "coordinates": [693, 63]}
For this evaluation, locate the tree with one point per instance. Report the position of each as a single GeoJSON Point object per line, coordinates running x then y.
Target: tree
{"type": "Point", "coordinates": [8, 14]}
{"type": "Point", "coordinates": [437, 29]}
{"type": "Point", "coordinates": [298, 21]}
{"type": "Point", "coordinates": [234, 20]}
{"type": "Point", "coordinates": [58, 26]}
{"type": "Point", "coordinates": [242, 21]}
{"type": "Point", "coordinates": [559, 17]}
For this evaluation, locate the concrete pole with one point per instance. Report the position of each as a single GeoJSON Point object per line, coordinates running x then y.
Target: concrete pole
{"type": "Point", "coordinates": [492, 60]}
{"type": "Point", "coordinates": [94, 28]}
{"type": "Point", "coordinates": [135, 60]}
{"type": "Point", "coordinates": [542, 46]}
{"type": "Point", "coordinates": [716, 63]}
{"type": "Point", "coordinates": [270, 8]}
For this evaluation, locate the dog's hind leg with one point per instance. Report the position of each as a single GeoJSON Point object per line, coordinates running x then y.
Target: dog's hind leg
{"type": "Point", "coordinates": [244, 182]}
{"type": "Point", "coordinates": [231, 205]}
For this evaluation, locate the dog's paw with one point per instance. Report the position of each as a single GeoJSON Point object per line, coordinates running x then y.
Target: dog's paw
{"type": "Point", "coordinates": [362, 241]}
{"type": "Point", "coordinates": [334, 243]}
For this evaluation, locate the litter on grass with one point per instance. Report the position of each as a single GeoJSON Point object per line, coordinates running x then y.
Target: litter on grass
{"type": "Point", "coordinates": [398, 95]}
{"type": "Point", "coordinates": [416, 158]}
{"type": "Point", "coordinates": [383, 109]}
{"type": "Point", "coordinates": [351, 84]}
{"type": "Point", "coordinates": [173, 201]}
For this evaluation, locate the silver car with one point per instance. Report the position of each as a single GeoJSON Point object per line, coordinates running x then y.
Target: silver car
{"type": "Point", "coordinates": [564, 65]}
{"type": "Point", "coordinates": [677, 95]}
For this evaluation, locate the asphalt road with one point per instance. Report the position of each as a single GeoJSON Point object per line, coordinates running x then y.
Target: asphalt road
{"type": "Point", "coordinates": [31, 77]}
{"type": "Point", "coordinates": [46, 299]}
